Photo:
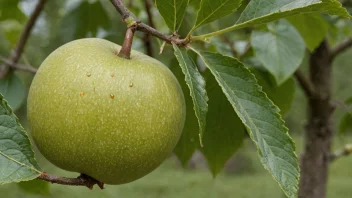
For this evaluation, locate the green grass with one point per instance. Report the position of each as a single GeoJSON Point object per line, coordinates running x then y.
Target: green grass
{"type": "Point", "coordinates": [171, 181]}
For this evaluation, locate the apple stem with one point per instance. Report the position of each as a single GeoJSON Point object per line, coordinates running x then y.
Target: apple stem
{"type": "Point", "coordinates": [125, 51]}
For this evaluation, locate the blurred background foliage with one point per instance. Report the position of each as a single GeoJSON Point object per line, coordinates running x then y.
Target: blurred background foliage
{"type": "Point", "coordinates": [65, 20]}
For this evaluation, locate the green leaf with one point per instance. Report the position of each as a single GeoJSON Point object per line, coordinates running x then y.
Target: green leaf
{"type": "Point", "coordinates": [12, 30]}
{"type": "Point", "coordinates": [9, 10]}
{"type": "Point", "coordinates": [345, 125]}
{"type": "Point", "coordinates": [172, 11]}
{"type": "Point", "coordinates": [12, 88]}
{"type": "Point", "coordinates": [211, 10]}
{"type": "Point", "coordinates": [264, 11]}
{"type": "Point", "coordinates": [281, 50]}
{"type": "Point", "coordinates": [224, 133]}
{"type": "Point", "coordinates": [190, 134]}
{"type": "Point", "coordinates": [196, 85]}
{"type": "Point", "coordinates": [35, 187]}
{"type": "Point", "coordinates": [282, 95]}
{"type": "Point", "coordinates": [17, 161]}
{"type": "Point", "coordinates": [83, 20]}
{"type": "Point", "coordinates": [312, 27]}
{"type": "Point", "coordinates": [261, 118]}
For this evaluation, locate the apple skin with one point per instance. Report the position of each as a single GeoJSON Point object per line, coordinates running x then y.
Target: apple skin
{"type": "Point", "coordinates": [111, 118]}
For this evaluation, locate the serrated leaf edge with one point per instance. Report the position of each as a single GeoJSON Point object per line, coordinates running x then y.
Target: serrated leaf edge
{"type": "Point", "coordinates": [10, 112]}
{"type": "Point", "coordinates": [175, 25]}
{"type": "Point", "coordinates": [242, 25]}
{"type": "Point", "coordinates": [192, 94]}
{"type": "Point", "coordinates": [276, 113]}
{"type": "Point", "coordinates": [245, 24]}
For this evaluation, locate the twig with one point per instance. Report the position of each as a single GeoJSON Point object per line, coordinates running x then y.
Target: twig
{"type": "Point", "coordinates": [18, 66]}
{"type": "Point", "coordinates": [347, 150]}
{"type": "Point", "coordinates": [342, 105]}
{"type": "Point", "coordinates": [122, 9]}
{"type": "Point", "coordinates": [125, 13]}
{"type": "Point", "coordinates": [17, 52]}
{"type": "Point", "coordinates": [27, 30]}
{"type": "Point", "coordinates": [82, 180]}
{"type": "Point", "coordinates": [305, 83]}
{"type": "Point", "coordinates": [147, 38]}
{"type": "Point", "coordinates": [340, 48]}
{"type": "Point", "coordinates": [230, 44]}
{"type": "Point", "coordinates": [246, 50]}
{"type": "Point", "coordinates": [149, 13]}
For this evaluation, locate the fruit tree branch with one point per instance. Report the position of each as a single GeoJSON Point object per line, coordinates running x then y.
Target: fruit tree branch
{"type": "Point", "coordinates": [230, 44]}
{"type": "Point", "coordinates": [122, 9]}
{"type": "Point", "coordinates": [16, 55]}
{"type": "Point", "coordinates": [341, 105]}
{"type": "Point", "coordinates": [305, 83]}
{"type": "Point", "coordinates": [147, 38]}
{"type": "Point", "coordinates": [18, 66]}
{"type": "Point", "coordinates": [82, 180]}
{"type": "Point", "coordinates": [340, 48]}
{"type": "Point", "coordinates": [148, 8]}
{"type": "Point", "coordinates": [347, 150]}
{"type": "Point", "coordinates": [17, 52]}
{"type": "Point", "coordinates": [128, 16]}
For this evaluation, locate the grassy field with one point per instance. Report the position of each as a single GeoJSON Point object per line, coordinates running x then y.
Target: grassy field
{"type": "Point", "coordinates": [171, 181]}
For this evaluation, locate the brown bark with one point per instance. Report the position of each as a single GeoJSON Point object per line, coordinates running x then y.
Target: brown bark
{"type": "Point", "coordinates": [17, 52]}
{"type": "Point", "coordinates": [147, 38]}
{"type": "Point", "coordinates": [319, 130]}
{"type": "Point", "coordinates": [125, 13]}
{"type": "Point", "coordinates": [82, 180]}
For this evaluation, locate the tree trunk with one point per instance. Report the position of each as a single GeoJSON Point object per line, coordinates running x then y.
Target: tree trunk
{"type": "Point", "coordinates": [319, 130]}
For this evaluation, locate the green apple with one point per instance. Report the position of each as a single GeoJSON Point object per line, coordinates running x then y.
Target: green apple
{"type": "Point", "coordinates": [96, 113]}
